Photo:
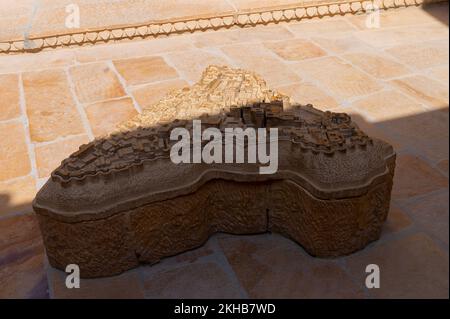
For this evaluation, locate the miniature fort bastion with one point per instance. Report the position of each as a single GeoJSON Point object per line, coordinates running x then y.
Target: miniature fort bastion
{"type": "Point", "coordinates": [120, 201]}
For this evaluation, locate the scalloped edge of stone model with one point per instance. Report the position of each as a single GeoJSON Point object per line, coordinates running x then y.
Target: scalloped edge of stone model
{"type": "Point", "coordinates": [165, 28]}
{"type": "Point", "coordinates": [119, 201]}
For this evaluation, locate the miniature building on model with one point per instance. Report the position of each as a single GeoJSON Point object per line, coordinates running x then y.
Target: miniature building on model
{"type": "Point", "coordinates": [120, 200]}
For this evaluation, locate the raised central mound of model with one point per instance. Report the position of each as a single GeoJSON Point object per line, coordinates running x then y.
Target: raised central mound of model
{"type": "Point", "coordinates": [121, 200]}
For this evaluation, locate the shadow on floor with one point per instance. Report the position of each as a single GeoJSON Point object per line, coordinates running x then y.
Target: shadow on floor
{"type": "Point", "coordinates": [424, 135]}
{"type": "Point", "coordinates": [438, 10]}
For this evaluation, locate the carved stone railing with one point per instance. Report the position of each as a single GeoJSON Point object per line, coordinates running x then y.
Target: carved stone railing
{"type": "Point", "coordinates": [192, 24]}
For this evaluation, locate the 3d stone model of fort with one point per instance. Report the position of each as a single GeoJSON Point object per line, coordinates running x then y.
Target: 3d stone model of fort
{"type": "Point", "coordinates": [120, 201]}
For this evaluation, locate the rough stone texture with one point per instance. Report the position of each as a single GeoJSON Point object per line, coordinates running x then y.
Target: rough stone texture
{"type": "Point", "coordinates": [120, 201]}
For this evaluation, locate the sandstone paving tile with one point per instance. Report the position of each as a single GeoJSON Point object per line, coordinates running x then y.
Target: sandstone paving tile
{"type": "Point", "coordinates": [407, 123]}
{"type": "Point", "coordinates": [271, 266]}
{"type": "Point", "coordinates": [148, 94]}
{"type": "Point", "coordinates": [198, 273]}
{"type": "Point", "coordinates": [383, 38]}
{"type": "Point", "coordinates": [10, 100]}
{"type": "Point", "coordinates": [105, 116]}
{"type": "Point", "coordinates": [425, 55]}
{"type": "Point", "coordinates": [242, 35]}
{"type": "Point", "coordinates": [440, 73]}
{"type": "Point", "coordinates": [413, 177]}
{"type": "Point", "coordinates": [338, 44]}
{"type": "Point", "coordinates": [245, 5]}
{"type": "Point", "coordinates": [11, 7]}
{"type": "Point", "coordinates": [396, 221]}
{"type": "Point", "coordinates": [50, 106]}
{"type": "Point", "coordinates": [103, 13]}
{"type": "Point", "coordinates": [201, 279]}
{"type": "Point", "coordinates": [307, 93]}
{"type": "Point", "coordinates": [192, 63]}
{"type": "Point", "coordinates": [22, 273]}
{"type": "Point", "coordinates": [443, 166]}
{"type": "Point", "coordinates": [126, 50]}
{"type": "Point", "coordinates": [14, 160]}
{"type": "Point", "coordinates": [95, 82]}
{"type": "Point", "coordinates": [124, 286]}
{"type": "Point", "coordinates": [37, 61]}
{"type": "Point", "coordinates": [316, 28]}
{"type": "Point", "coordinates": [12, 27]}
{"type": "Point", "coordinates": [410, 267]}
{"type": "Point", "coordinates": [144, 69]}
{"type": "Point", "coordinates": [377, 65]}
{"type": "Point", "coordinates": [394, 18]}
{"type": "Point", "coordinates": [338, 76]}
{"type": "Point", "coordinates": [439, 12]}
{"type": "Point", "coordinates": [50, 155]}
{"type": "Point", "coordinates": [426, 133]}
{"type": "Point", "coordinates": [388, 105]}
{"type": "Point", "coordinates": [431, 213]}
{"type": "Point", "coordinates": [424, 89]}
{"type": "Point", "coordinates": [259, 59]}
{"type": "Point", "coordinates": [16, 195]}
{"type": "Point", "coordinates": [295, 49]}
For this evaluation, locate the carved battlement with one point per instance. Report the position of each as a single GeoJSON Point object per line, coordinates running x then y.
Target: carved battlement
{"type": "Point", "coordinates": [305, 127]}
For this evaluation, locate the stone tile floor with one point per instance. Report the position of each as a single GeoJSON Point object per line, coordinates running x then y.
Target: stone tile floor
{"type": "Point", "coordinates": [393, 80]}
{"type": "Point", "coordinates": [22, 19]}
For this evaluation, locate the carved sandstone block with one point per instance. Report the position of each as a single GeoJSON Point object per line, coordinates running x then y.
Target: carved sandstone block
{"type": "Point", "coordinates": [120, 200]}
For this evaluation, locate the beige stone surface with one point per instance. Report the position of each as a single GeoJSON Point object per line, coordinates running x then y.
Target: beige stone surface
{"type": "Point", "coordinates": [149, 94]}
{"type": "Point", "coordinates": [192, 63]}
{"type": "Point", "coordinates": [308, 93]}
{"type": "Point", "coordinates": [395, 18]}
{"type": "Point", "coordinates": [425, 90]}
{"type": "Point", "coordinates": [380, 38]}
{"type": "Point", "coordinates": [263, 265]}
{"type": "Point", "coordinates": [144, 69]}
{"type": "Point", "coordinates": [443, 166]}
{"type": "Point", "coordinates": [431, 214]}
{"type": "Point", "coordinates": [124, 286]}
{"type": "Point", "coordinates": [50, 155]}
{"type": "Point", "coordinates": [346, 81]}
{"type": "Point", "coordinates": [22, 274]}
{"type": "Point", "coordinates": [105, 116]}
{"type": "Point", "coordinates": [313, 27]}
{"type": "Point", "coordinates": [441, 73]}
{"type": "Point", "coordinates": [388, 105]}
{"type": "Point", "coordinates": [127, 50]}
{"type": "Point", "coordinates": [295, 50]}
{"type": "Point", "coordinates": [427, 133]}
{"type": "Point", "coordinates": [411, 267]}
{"type": "Point", "coordinates": [205, 279]}
{"type": "Point", "coordinates": [425, 55]}
{"type": "Point", "coordinates": [42, 61]}
{"type": "Point", "coordinates": [16, 195]}
{"type": "Point", "coordinates": [341, 43]}
{"type": "Point", "coordinates": [9, 92]}
{"type": "Point", "coordinates": [261, 60]}
{"type": "Point", "coordinates": [376, 65]}
{"type": "Point", "coordinates": [50, 106]}
{"type": "Point", "coordinates": [414, 176]}
{"type": "Point", "coordinates": [244, 35]}
{"type": "Point", "coordinates": [95, 82]}
{"type": "Point", "coordinates": [14, 160]}
{"type": "Point", "coordinates": [397, 221]}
